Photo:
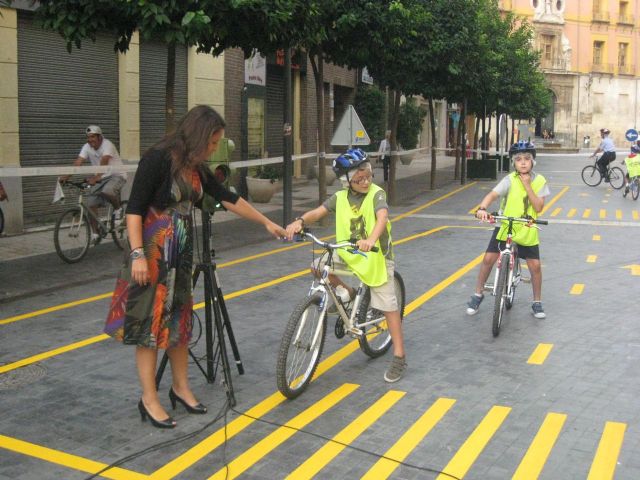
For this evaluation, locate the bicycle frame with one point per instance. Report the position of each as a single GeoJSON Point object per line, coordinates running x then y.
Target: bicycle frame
{"type": "Point", "coordinates": [103, 226]}
{"type": "Point", "coordinates": [514, 276]}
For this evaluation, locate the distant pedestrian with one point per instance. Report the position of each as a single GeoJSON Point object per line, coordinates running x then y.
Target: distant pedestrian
{"type": "Point", "coordinates": [385, 154]}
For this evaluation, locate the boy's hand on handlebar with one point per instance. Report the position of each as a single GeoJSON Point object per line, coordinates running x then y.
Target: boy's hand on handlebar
{"type": "Point", "coordinates": [483, 215]}
{"type": "Point", "coordinates": [293, 228]}
{"type": "Point", "coordinates": [365, 245]}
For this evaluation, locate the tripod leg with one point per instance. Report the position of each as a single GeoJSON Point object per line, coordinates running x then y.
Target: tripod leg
{"type": "Point", "coordinates": [227, 325]}
{"type": "Point", "coordinates": [160, 372]}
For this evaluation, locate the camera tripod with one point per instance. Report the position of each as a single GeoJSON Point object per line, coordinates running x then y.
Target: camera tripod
{"type": "Point", "coordinates": [216, 310]}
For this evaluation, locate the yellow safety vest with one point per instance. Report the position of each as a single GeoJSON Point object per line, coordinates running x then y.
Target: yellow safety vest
{"type": "Point", "coordinates": [352, 223]}
{"type": "Point", "coordinates": [518, 205]}
{"type": "Point", "coordinates": [633, 165]}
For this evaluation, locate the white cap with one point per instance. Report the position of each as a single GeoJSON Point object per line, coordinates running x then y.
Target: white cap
{"type": "Point", "coordinates": [94, 129]}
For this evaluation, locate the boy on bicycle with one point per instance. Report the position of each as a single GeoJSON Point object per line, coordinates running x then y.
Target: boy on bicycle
{"type": "Point", "coordinates": [632, 161]}
{"type": "Point", "coordinates": [522, 194]}
{"type": "Point", "coordinates": [362, 214]}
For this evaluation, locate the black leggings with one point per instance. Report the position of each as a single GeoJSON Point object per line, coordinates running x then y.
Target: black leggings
{"type": "Point", "coordinates": [604, 160]}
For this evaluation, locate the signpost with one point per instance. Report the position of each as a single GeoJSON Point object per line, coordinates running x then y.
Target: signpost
{"type": "Point", "coordinates": [631, 135]}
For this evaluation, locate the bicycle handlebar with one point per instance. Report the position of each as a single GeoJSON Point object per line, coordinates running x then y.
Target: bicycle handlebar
{"type": "Point", "coordinates": [78, 185]}
{"type": "Point", "coordinates": [332, 246]}
{"type": "Point", "coordinates": [495, 216]}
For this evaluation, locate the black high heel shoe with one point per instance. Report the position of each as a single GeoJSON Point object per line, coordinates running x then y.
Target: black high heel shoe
{"type": "Point", "coordinates": [168, 422]}
{"type": "Point", "coordinates": [199, 409]}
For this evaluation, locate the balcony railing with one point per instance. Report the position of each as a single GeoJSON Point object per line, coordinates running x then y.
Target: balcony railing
{"type": "Point", "coordinates": [601, 67]}
{"type": "Point", "coordinates": [626, 69]}
{"type": "Point", "coordinates": [599, 16]}
{"type": "Point", "coordinates": [554, 64]}
{"type": "Point", "coordinates": [626, 19]}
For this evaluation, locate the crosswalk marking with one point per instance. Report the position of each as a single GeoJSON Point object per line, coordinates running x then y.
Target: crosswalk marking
{"type": "Point", "coordinates": [540, 354]}
{"type": "Point", "coordinates": [461, 462]}
{"type": "Point", "coordinates": [596, 238]}
{"type": "Point", "coordinates": [586, 213]}
{"type": "Point", "coordinates": [400, 450]}
{"type": "Point", "coordinates": [592, 258]}
{"type": "Point", "coordinates": [618, 214]}
{"type": "Point", "coordinates": [556, 212]}
{"type": "Point", "coordinates": [634, 214]}
{"type": "Point", "coordinates": [604, 463]}
{"type": "Point", "coordinates": [252, 455]}
{"type": "Point", "coordinates": [603, 213]}
{"type": "Point", "coordinates": [577, 289]}
{"type": "Point", "coordinates": [571, 213]}
{"type": "Point", "coordinates": [539, 450]}
{"type": "Point", "coordinates": [330, 450]}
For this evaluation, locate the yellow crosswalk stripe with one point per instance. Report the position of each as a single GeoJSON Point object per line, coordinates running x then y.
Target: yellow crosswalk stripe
{"type": "Point", "coordinates": [330, 450]}
{"type": "Point", "coordinates": [604, 463]}
{"type": "Point", "coordinates": [571, 213]}
{"type": "Point", "coordinates": [618, 214]}
{"type": "Point", "coordinates": [556, 212]}
{"type": "Point", "coordinates": [400, 450]}
{"type": "Point", "coordinates": [577, 289]}
{"type": "Point", "coordinates": [252, 455]}
{"type": "Point", "coordinates": [540, 448]}
{"type": "Point", "coordinates": [586, 213]}
{"type": "Point", "coordinates": [461, 462]}
{"type": "Point", "coordinates": [592, 258]}
{"type": "Point", "coordinates": [540, 354]}
{"type": "Point", "coordinates": [603, 213]}
{"type": "Point", "coordinates": [634, 214]}
{"type": "Point", "coordinates": [596, 238]}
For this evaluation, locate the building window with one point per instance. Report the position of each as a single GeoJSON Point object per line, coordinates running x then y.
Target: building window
{"type": "Point", "coordinates": [624, 9]}
{"type": "Point", "coordinates": [623, 48]}
{"type": "Point", "coordinates": [547, 43]}
{"type": "Point", "coordinates": [598, 52]}
{"type": "Point", "coordinates": [535, 3]}
{"type": "Point", "coordinates": [559, 5]}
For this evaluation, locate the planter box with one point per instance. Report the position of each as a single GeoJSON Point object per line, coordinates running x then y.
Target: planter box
{"type": "Point", "coordinates": [261, 189]}
{"type": "Point", "coordinates": [481, 169]}
{"type": "Point", "coordinates": [330, 175]}
{"type": "Point", "coordinates": [407, 158]}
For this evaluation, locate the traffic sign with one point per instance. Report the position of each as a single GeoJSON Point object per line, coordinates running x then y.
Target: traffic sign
{"type": "Point", "coordinates": [350, 130]}
{"type": "Point", "coordinates": [631, 135]}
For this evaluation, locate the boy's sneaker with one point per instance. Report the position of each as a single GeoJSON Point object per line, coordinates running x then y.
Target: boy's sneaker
{"type": "Point", "coordinates": [396, 369]}
{"type": "Point", "coordinates": [474, 304]}
{"type": "Point", "coordinates": [538, 311]}
{"type": "Point", "coordinates": [95, 239]}
{"type": "Point", "coordinates": [626, 191]}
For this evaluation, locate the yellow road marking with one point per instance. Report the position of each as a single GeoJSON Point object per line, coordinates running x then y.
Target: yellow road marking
{"type": "Point", "coordinates": [554, 200]}
{"type": "Point", "coordinates": [556, 212]}
{"type": "Point", "coordinates": [603, 213]}
{"type": "Point", "coordinates": [587, 213]}
{"type": "Point", "coordinates": [540, 354]}
{"type": "Point", "coordinates": [592, 258]}
{"type": "Point", "coordinates": [400, 450]}
{"type": "Point", "coordinates": [346, 436]}
{"type": "Point", "coordinates": [577, 289]}
{"type": "Point", "coordinates": [251, 456]}
{"type": "Point", "coordinates": [540, 448]}
{"type": "Point", "coordinates": [461, 462]}
{"type": "Point", "coordinates": [54, 308]}
{"type": "Point", "coordinates": [433, 202]}
{"type": "Point", "coordinates": [618, 214]}
{"type": "Point", "coordinates": [473, 210]}
{"type": "Point", "coordinates": [67, 460]}
{"type": "Point", "coordinates": [634, 214]}
{"type": "Point", "coordinates": [604, 463]}
{"type": "Point", "coordinates": [596, 238]}
{"type": "Point", "coordinates": [571, 213]}
{"type": "Point", "coordinates": [52, 353]}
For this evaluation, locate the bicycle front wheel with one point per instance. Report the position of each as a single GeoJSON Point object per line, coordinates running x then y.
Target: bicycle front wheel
{"type": "Point", "coordinates": [591, 176]}
{"type": "Point", "coordinates": [119, 228]}
{"type": "Point", "coordinates": [72, 235]}
{"type": "Point", "coordinates": [616, 178]}
{"type": "Point", "coordinates": [512, 292]}
{"type": "Point", "coordinates": [635, 188]}
{"type": "Point", "coordinates": [377, 339]}
{"type": "Point", "coordinates": [501, 294]}
{"type": "Point", "coordinates": [301, 347]}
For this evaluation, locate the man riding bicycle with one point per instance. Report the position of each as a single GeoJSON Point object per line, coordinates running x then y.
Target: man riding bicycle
{"type": "Point", "coordinates": [362, 214]}
{"type": "Point", "coordinates": [106, 187]}
{"type": "Point", "coordinates": [522, 194]}
{"type": "Point", "coordinates": [609, 154]}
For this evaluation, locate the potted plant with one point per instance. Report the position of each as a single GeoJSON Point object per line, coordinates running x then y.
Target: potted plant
{"type": "Point", "coordinates": [409, 126]}
{"type": "Point", "coordinates": [330, 175]}
{"type": "Point", "coordinates": [264, 183]}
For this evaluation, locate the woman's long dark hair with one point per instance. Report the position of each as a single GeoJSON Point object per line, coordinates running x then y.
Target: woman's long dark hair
{"type": "Point", "coordinates": [191, 137]}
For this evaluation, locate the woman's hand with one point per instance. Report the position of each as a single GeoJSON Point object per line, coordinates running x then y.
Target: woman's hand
{"type": "Point", "coordinates": [275, 230]}
{"type": "Point", "coordinates": [140, 271]}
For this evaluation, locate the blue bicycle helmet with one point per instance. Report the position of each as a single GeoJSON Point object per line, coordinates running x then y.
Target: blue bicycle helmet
{"type": "Point", "coordinates": [523, 146]}
{"type": "Point", "coordinates": [635, 149]}
{"type": "Point", "coordinates": [348, 161]}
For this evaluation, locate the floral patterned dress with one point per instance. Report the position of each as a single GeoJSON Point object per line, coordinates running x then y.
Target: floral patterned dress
{"type": "Point", "coordinates": [159, 314]}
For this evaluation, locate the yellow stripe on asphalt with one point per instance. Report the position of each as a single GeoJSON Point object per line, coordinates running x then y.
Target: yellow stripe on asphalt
{"type": "Point", "coordinates": [540, 354]}
{"type": "Point", "coordinates": [400, 450]}
{"type": "Point", "coordinates": [587, 213]}
{"type": "Point", "coordinates": [596, 238]}
{"type": "Point", "coordinates": [606, 459]}
{"type": "Point", "coordinates": [255, 453]}
{"type": "Point", "coordinates": [571, 213]}
{"type": "Point", "coordinates": [44, 311]}
{"type": "Point", "coordinates": [540, 448]}
{"type": "Point", "coordinates": [433, 202]}
{"type": "Point", "coordinates": [67, 460]}
{"type": "Point", "coordinates": [634, 214]}
{"type": "Point", "coordinates": [473, 446]}
{"type": "Point", "coordinates": [577, 289]}
{"type": "Point", "coordinates": [618, 214]}
{"type": "Point", "coordinates": [603, 213]}
{"type": "Point", "coordinates": [554, 200]}
{"type": "Point", "coordinates": [556, 212]}
{"type": "Point", "coordinates": [592, 258]}
{"type": "Point", "coordinates": [346, 436]}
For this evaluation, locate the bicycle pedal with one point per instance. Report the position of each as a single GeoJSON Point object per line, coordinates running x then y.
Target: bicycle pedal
{"type": "Point", "coordinates": [355, 332]}
{"type": "Point", "coordinates": [525, 279]}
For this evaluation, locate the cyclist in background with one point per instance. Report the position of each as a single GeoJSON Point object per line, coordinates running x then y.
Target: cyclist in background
{"type": "Point", "coordinates": [609, 155]}
{"type": "Point", "coordinates": [106, 186]}
{"type": "Point", "coordinates": [522, 194]}
{"type": "Point", "coordinates": [362, 213]}
{"type": "Point", "coordinates": [633, 166]}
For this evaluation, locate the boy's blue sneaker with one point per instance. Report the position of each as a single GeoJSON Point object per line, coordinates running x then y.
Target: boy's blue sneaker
{"type": "Point", "coordinates": [538, 311]}
{"type": "Point", "coordinates": [474, 304]}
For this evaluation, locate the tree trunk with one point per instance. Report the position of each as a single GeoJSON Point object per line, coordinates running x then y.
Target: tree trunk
{"type": "Point", "coordinates": [461, 151]}
{"type": "Point", "coordinates": [317, 64]}
{"type": "Point", "coordinates": [463, 166]}
{"type": "Point", "coordinates": [432, 181]}
{"type": "Point", "coordinates": [395, 113]}
{"type": "Point", "coordinates": [169, 113]}
{"type": "Point", "coordinates": [476, 136]}
{"type": "Point", "coordinates": [513, 131]}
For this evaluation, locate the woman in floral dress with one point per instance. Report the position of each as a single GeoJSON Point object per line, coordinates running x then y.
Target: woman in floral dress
{"type": "Point", "coordinates": [152, 303]}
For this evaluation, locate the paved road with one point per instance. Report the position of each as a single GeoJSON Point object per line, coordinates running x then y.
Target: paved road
{"type": "Point", "coordinates": [553, 398]}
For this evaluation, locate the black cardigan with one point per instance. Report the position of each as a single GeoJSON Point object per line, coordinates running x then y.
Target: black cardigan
{"type": "Point", "coordinates": [153, 180]}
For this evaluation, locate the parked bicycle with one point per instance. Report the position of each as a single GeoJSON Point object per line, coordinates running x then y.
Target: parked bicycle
{"type": "Point", "coordinates": [591, 175]}
{"type": "Point", "coordinates": [304, 336]}
{"type": "Point", "coordinates": [508, 274]}
{"type": "Point", "coordinates": [72, 233]}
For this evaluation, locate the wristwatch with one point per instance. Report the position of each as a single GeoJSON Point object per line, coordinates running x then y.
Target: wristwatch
{"type": "Point", "coordinates": [136, 253]}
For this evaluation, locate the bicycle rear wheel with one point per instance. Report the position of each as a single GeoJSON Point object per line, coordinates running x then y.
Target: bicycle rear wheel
{"type": "Point", "coordinates": [616, 178]}
{"type": "Point", "coordinates": [591, 176]}
{"type": "Point", "coordinates": [72, 235]}
{"type": "Point", "coordinates": [377, 339]}
{"type": "Point", "coordinates": [501, 294]}
{"type": "Point", "coordinates": [119, 228]}
{"type": "Point", "coordinates": [635, 188]}
{"type": "Point", "coordinates": [301, 347]}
